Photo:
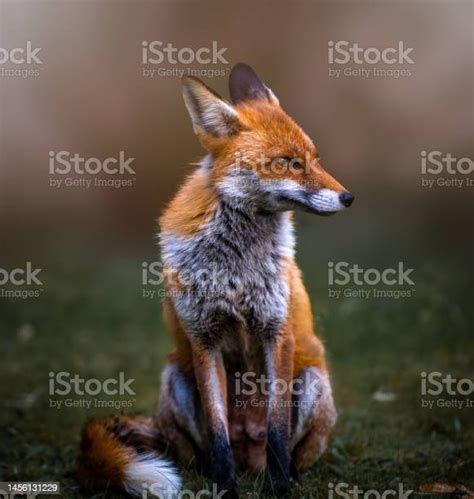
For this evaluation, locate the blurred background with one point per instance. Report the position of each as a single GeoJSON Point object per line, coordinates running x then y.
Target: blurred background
{"type": "Point", "coordinates": [92, 95]}
{"type": "Point", "coordinates": [91, 98]}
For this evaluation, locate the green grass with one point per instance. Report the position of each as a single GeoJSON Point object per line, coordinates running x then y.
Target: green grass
{"type": "Point", "coordinates": [93, 321]}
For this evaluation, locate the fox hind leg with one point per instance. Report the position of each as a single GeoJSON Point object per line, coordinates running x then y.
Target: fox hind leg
{"type": "Point", "coordinates": [179, 415]}
{"type": "Point", "coordinates": [314, 416]}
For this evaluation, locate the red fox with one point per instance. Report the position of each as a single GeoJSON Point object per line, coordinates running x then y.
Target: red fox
{"type": "Point", "coordinates": [236, 307]}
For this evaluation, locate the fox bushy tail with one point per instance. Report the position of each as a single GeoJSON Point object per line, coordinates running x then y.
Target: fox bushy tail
{"type": "Point", "coordinates": [123, 452]}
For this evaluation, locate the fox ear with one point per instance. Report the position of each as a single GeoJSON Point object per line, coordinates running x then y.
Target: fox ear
{"type": "Point", "coordinates": [209, 112]}
{"type": "Point", "coordinates": [244, 84]}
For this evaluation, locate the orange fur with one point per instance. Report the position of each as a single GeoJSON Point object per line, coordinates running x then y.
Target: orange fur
{"type": "Point", "coordinates": [309, 350]}
{"type": "Point", "coordinates": [192, 207]}
{"type": "Point", "coordinates": [274, 134]}
{"type": "Point", "coordinates": [104, 458]}
{"type": "Point", "coordinates": [182, 354]}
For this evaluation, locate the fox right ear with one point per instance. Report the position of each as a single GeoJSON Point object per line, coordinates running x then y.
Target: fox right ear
{"type": "Point", "coordinates": [209, 113]}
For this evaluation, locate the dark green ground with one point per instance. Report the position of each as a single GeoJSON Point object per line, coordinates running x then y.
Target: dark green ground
{"type": "Point", "coordinates": [94, 322]}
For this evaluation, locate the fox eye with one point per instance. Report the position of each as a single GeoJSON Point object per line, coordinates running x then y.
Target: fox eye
{"type": "Point", "coordinates": [291, 162]}
{"type": "Point", "coordinates": [297, 165]}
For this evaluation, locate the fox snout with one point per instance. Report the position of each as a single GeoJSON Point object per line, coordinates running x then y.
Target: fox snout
{"type": "Point", "coordinates": [326, 201]}
{"type": "Point", "coordinates": [314, 191]}
{"type": "Point", "coordinates": [321, 202]}
{"type": "Point", "coordinates": [328, 196]}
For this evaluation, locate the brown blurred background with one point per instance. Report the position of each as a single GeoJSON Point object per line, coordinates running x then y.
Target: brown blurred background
{"type": "Point", "coordinates": [91, 98]}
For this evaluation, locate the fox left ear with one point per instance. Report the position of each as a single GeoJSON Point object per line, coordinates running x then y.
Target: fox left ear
{"type": "Point", "coordinates": [209, 113]}
{"type": "Point", "coordinates": [244, 84]}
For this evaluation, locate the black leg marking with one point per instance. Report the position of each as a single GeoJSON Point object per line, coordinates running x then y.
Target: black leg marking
{"type": "Point", "coordinates": [278, 462]}
{"type": "Point", "coordinates": [222, 469]}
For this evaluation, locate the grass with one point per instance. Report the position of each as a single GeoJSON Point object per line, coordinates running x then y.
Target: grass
{"type": "Point", "coordinates": [94, 321]}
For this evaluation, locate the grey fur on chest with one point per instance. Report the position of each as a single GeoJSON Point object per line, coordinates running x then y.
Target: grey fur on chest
{"type": "Point", "coordinates": [231, 274]}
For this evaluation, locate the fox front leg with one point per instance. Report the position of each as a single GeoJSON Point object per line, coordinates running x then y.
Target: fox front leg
{"type": "Point", "coordinates": [212, 385]}
{"type": "Point", "coordinates": [278, 357]}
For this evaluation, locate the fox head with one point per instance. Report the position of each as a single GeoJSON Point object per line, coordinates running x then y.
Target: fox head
{"type": "Point", "coordinates": [260, 156]}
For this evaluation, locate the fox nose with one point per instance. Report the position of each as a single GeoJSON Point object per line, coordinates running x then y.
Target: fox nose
{"type": "Point", "coordinates": [346, 198]}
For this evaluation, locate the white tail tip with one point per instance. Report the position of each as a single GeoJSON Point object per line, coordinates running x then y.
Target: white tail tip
{"type": "Point", "coordinates": [155, 475]}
